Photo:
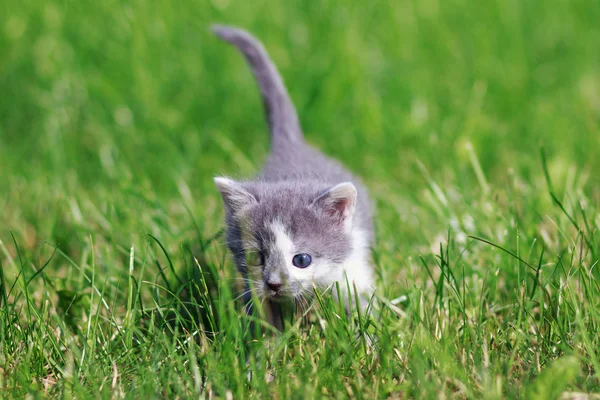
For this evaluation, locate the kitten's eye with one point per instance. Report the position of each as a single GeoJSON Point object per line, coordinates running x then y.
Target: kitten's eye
{"type": "Point", "coordinates": [302, 260]}
{"type": "Point", "coordinates": [254, 258]}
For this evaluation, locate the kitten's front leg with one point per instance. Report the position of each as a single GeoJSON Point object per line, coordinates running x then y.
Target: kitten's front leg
{"type": "Point", "coordinates": [249, 306]}
{"type": "Point", "coordinates": [272, 311]}
{"type": "Point", "coordinates": [273, 314]}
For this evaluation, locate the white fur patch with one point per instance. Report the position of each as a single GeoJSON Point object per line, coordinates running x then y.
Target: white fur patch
{"type": "Point", "coordinates": [355, 269]}
{"type": "Point", "coordinates": [282, 240]}
{"type": "Point", "coordinates": [284, 244]}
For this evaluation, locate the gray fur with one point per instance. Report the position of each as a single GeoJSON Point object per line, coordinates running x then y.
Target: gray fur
{"type": "Point", "coordinates": [296, 189]}
{"type": "Point", "coordinates": [281, 113]}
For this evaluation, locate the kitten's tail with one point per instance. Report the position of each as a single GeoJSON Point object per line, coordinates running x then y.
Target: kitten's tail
{"type": "Point", "coordinates": [281, 113]}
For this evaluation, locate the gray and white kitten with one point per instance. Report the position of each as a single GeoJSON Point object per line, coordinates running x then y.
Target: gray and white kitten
{"type": "Point", "coordinates": [305, 221]}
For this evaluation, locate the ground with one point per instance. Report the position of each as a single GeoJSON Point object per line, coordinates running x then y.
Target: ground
{"type": "Point", "coordinates": [475, 125]}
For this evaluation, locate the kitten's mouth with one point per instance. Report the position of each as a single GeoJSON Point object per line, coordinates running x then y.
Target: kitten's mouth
{"type": "Point", "coordinates": [276, 296]}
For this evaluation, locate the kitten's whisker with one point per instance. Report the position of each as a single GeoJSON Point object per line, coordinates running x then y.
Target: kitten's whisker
{"type": "Point", "coordinates": [245, 292]}
{"type": "Point", "coordinates": [308, 302]}
{"type": "Point", "coordinates": [302, 304]}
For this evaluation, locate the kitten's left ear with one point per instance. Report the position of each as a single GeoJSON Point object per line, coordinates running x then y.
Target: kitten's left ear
{"type": "Point", "coordinates": [234, 195]}
{"type": "Point", "coordinates": [339, 202]}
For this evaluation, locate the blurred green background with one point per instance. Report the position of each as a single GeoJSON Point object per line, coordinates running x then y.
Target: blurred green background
{"type": "Point", "coordinates": [116, 94]}
{"type": "Point", "coordinates": [115, 116]}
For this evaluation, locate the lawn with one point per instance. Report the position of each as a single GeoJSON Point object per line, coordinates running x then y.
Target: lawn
{"type": "Point", "coordinates": [475, 125]}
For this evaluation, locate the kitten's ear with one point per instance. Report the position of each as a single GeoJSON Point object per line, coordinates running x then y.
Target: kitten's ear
{"type": "Point", "coordinates": [234, 195]}
{"type": "Point", "coordinates": [339, 202]}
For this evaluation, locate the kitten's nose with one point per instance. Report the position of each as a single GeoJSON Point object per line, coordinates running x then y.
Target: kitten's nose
{"type": "Point", "coordinates": [275, 286]}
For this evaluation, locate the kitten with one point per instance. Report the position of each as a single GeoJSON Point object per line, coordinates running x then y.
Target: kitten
{"type": "Point", "coordinates": [305, 221]}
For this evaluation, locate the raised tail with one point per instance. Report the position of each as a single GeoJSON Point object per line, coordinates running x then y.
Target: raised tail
{"type": "Point", "coordinates": [281, 113]}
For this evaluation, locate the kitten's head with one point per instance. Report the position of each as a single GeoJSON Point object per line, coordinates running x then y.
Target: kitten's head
{"type": "Point", "coordinates": [289, 236]}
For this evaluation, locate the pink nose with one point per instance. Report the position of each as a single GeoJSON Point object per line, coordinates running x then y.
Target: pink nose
{"type": "Point", "coordinates": [275, 286]}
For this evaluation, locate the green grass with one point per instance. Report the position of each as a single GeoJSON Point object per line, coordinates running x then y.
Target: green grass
{"type": "Point", "coordinates": [476, 125]}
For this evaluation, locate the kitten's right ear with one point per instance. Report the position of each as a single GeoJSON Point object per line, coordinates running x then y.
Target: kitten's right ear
{"type": "Point", "coordinates": [235, 197]}
{"type": "Point", "coordinates": [339, 202]}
